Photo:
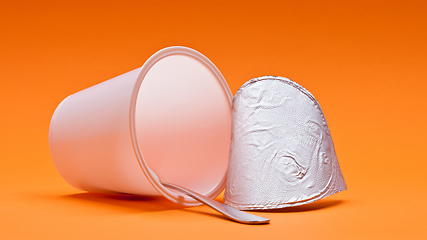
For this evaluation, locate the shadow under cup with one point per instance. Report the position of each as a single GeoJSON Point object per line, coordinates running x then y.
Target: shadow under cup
{"type": "Point", "coordinates": [168, 121]}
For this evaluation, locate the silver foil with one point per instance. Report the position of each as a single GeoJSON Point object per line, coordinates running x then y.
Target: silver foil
{"type": "Point", "coordinates": [282, 152]}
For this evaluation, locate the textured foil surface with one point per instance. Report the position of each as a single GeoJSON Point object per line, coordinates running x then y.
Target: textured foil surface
{"type": "Point", "coordinates": [281, 152]}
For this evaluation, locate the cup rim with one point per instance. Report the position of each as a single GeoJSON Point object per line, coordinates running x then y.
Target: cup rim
{"type": "Point", "coordinates": [151, 176]}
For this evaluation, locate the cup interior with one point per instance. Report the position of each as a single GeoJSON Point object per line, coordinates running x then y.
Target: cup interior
{"type": "Point", "coordinates": [182, 123]}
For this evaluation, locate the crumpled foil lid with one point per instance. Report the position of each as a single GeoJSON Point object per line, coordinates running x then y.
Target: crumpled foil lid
{"type": "Point", "coordinates": [282, 153]}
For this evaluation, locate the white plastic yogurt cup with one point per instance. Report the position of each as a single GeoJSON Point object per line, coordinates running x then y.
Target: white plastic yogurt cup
{"type": "Point", "coordinates": [169, 120]}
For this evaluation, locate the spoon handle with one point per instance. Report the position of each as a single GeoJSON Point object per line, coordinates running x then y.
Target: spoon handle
{"type": "Point", "coordinates": [230, 212]}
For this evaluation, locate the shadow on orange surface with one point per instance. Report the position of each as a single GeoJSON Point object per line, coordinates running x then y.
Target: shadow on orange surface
{"type": "Point", "coordinates": [142, 203]}
{"type": "Point", "coordinates": [155, 203]}
{"type": "Point", "coordinates": [321, 204]}
{"type": "Point", "coordinates": [209, 213]}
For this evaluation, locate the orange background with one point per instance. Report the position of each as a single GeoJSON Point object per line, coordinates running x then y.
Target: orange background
{"type": "Point", "coordinates": [364, 61]}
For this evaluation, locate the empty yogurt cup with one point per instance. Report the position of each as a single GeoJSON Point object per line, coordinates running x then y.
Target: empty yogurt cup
{"type": "Point", "coordinates": [168, 121]}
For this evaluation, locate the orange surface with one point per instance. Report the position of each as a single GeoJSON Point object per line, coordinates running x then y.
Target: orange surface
{"type": "Point", "coordinates": [364, 61]}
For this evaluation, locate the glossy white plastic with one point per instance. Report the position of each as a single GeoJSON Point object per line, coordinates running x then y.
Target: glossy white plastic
{"type": "Point", "coordinates": [169, 120]}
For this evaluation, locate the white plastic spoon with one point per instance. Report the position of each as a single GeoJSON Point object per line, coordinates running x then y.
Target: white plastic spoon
{"type": "Point", "coordinates": [230, 212]}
